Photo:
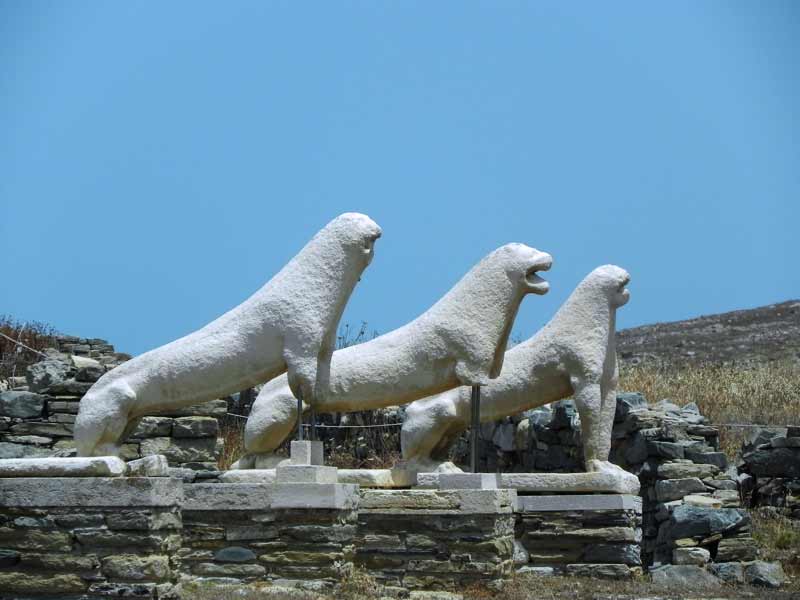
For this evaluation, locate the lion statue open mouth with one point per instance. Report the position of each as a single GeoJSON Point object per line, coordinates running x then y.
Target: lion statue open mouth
{"type": "Point", "coordinates": [574, 355]}
{"type": "Point", "coordinates": [460, 340]}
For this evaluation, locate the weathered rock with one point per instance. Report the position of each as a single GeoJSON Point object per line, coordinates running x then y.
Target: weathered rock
{"type": "Point", "coordinates": [36, 440]}
{"type": "Point", "coordinates": [234, 554]}
{"type": "Point", "coordinates": [764, 574]}
{"type": "Point", "coordinates": [686, 469]}
{"type": "Point", "coordinates": [520, 556]}
{"type": "Point", "coordinates": [123, 590]}
{"type": "Point", "coordinates": [691, 521]}
{"type": "Point", "coordinates": [775, 462]}
{"type": "Point", "coordinates": [212, 408]}
{"type": "Point", "coordinates": [785, 442]}
{"type": "Point", "coordinates": [153, 427]}
{"type": "Point", "coordinates": [729, 572]}
{"type": "Point", "coordinates": [758, 436]}
{"type": "Point", "coordinates": [691, 556]}
{"type": "Point", "coordinates": [9, 558]}
{"type": "Point", "coordinates": [8, 450]}
{"type": "Point", "coordinates": [180, 451]}
{"type": "Point", "coordinates": [21, 405]}
{"type": "Point", "coordinates": [47, 372]}
{"type": "Point", "coordinates": [721, 484]}
{"type": "Point", "coordinates": [139, 520]}
{"type": "Point", "coordinates": [684, 576]}
{"type": "Point", "coordinates": [538, 571]}
{"type": "Point", "coordinates": [58, 405]}
{"type": "Point", "coordinates": [675, 489]}
{"type": "Point", "coordinates": [43, 429]}
{"type": "Point", "coordinates": [98, 466]}
{"type": "Point", "coordinates": [228, 570]}
{"type": "Point", "coordinates": [628, 402]}
{"type": "Point", "coordinates": [627, 554]}
{"type": "Point", "coordinates": [81, 362]}
{"type": "Point", "coordinates": [87, 492]}
{"type": "Point", "coordinates": [718, 459]}
{"type": "Point", "coordinates": [130, 567]}
{"type": "Point", "coordinates": [736, 549]}
{"type": "Point", "coordinates": [69, 387]}
{"type": "Point", "coordinates": [90, 373]}
{"type": "Point", "coordinates": [564, 413]}
{"type": "Point", "coordinates": [600, 571]}
{"type": "Point", "coordinates": [665, 449]}
{"type": "Point", "coordinates": [702, 501]}
{"type": "Point", "coordinates": [727, 498]}
{"type": "Point", "coordinates": [150, 466]}
{"type": "Point", "coordinates": [195, 427]}
{"type": "Point", "coordinates": [51, 583]}
{"type": "Point", "coordinates": [35, 539]}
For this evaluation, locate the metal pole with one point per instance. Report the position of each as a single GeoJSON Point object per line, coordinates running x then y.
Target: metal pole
{"type": "Point", "coordinates": [313, 424]}
{"type": "Point", "coordinates": [299, 417]}
{"type": "Point", "coordinates": [475, 408]}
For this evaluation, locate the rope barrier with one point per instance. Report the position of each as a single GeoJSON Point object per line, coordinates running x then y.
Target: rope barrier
{"type": "Point", "coordinates": [744, 425]}
{"type": "Point", "coordinates": [18, 343]}
{"type": "Point", "coordinates": [335, 426]}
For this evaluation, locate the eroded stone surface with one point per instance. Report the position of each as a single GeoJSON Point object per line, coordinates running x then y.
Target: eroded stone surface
{"type": "Point", "coordinates": [536, 373]}
{"type": "Point", "coordinates": [289, 325]}
{"type": "Point", "coordinates": [441, 349]}
{"type": "Point", "coordinates": [100, 466]}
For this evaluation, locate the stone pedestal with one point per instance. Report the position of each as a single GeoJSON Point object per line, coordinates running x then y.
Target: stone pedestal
{"type": "Point", "coordinates": [547, 483]}
{"type": "Point", "coordinates": [436, 539]}
{"type": "Point", "coordinates": [306, 483]}
{"type": "Point", "coordinates": [581, 534]}
{"type": "Point", "coordinates": [253, 532]}
{"type": "Point", "coordinates": [469, 481]}
{"type": "Point", "coordinates": [89, 537]}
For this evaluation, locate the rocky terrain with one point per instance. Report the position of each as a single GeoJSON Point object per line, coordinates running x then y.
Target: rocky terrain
{"type": "Point", "coordinates": [751, 336]}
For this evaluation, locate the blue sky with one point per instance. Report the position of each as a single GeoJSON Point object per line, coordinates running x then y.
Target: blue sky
{"type": "Point", "coordinates": [159, 162]}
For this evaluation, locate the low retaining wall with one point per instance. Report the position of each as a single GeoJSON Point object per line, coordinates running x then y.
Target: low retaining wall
{"type": "Point", "coordinates": [770, 471]}
{"type": "Point", "coordinates": [142, 536]}
{"type": "Point", "coordinates": [587, 535]}
{"type": "Point", "coordinates": [37, 419]}
{"type": "Point", "coordinates": [89, 537]}
{"type": "Point", "coordinates": [242, 532]}
{"type": "Point", "coordinates": [436, 539]}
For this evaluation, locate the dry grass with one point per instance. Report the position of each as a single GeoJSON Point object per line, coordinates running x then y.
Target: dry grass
{"type": "Point", "coordinates": [13, 358]}
{"type": "Point", "coordinates": [531, 587]}
{"type": "Point", "coordinates": [253, 591]}
{"type": "Point", "coordinates": [361, 586]}
{"type": "Point", "coordinates": [767, 394]}
{"type": "Point", "coordinates": [232, 432]}
{"type": "Point", "coordinates": [778, 538]}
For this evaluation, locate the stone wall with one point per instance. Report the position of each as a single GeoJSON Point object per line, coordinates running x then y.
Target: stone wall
{"type": "Point", "coordinates": [99, 537]}
{"type": "Point", "coordinates": [770, 471]}
{"type": "Point", "coordinates": [36, 419]}
{"type": "Point", "coordinates": [239, 532]}
{"type": "Point", "coordinates": [436, 539]}
{"type": "Point", "coordinates": [587, 535]}
{"type": "Point", "coordinates": [691, 509]}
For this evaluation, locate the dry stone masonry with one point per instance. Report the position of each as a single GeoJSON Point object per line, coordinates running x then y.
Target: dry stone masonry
{"type": "Point", "coordinates": [36, 420]}
{"type": "Point", "coordinates": [90, 537]}
{"type": "Point", "coordinates": [436, 539]}
{"type": "Point", "coordinates": [240, 532]}
{"type": "Point", "coordinates": [770, 471]}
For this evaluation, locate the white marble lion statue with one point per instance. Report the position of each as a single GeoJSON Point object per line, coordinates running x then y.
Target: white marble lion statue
{"type": "Point", "coordinates": [288, 326]}
{"type": "Point", "coordinates": [460, 340]}
{"type": "Point", "coordinates": [574, 355]}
